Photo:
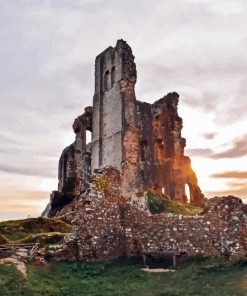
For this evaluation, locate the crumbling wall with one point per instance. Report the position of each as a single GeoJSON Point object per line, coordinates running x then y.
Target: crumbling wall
{"type": "Point", "coordinates": [163, 166]}
{"type": "Point", "coordinates": [131, 181]}
{"type": "Point", "coordinates": [142, 147]}
{"type": "Point", "coordinates": [220, 230]}
{"type": "Point", "coordinates": [107, 226]}
{"type": "Point", "coordinates": [143, 141]}
{"type": "Point", "coordinates": [75, 162]}
{"type": "Point", "coordinates": [74, 169]}
{"type": "Point", "coordinates": [99, 227]}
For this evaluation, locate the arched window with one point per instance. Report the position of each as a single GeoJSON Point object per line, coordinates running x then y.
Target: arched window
{"type": "Point", "coordinates": [88, 137]}
{"type": "Point", "coordinates": [187, 192]}
{"type": "Point", "coordinates": [144, 150]}
{"type": "Point", "coordinates": [106, 80]}
{"type": "Point", "coordinates": [112, 76]}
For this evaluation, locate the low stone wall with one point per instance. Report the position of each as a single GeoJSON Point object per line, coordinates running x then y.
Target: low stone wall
{"type": "Point", "coordinates": [219, 231]}
{"type": "Point", "coordinates": [107, 227]}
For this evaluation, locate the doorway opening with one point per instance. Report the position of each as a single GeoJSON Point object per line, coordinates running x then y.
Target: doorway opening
{"type": "Point", "coordinates": [187, 192]}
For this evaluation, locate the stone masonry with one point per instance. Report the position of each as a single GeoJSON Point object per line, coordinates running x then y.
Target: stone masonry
{"type": "Point", "coordinates": [143, 141]}
{"type": "Point", "coordinates": [107, 226]}
{"type": "Point", "coordinates": [136, 148]}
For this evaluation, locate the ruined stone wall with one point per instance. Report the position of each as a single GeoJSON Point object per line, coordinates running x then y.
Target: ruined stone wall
{"type": "Point", "coordinates": [219, 231]}
{"type": "Point", "coordinates": [99, 231]}
{"type": "Point", "coordinates": [142, 147]}
{"type": "Point", "coordinates": [107, 227]}
{"type": "Point", "coordinates": [143, 141]}
{"type": "Point", "coordinates": [163, 166]}
{"type": "Point", "coordinates": [107, 114]}
{"type": "Point", "coordinates": [75, 162]}
{"type": "Point", "coordinates": [101, 206]}
{"type": "Point", "coordinates": [131, 132]}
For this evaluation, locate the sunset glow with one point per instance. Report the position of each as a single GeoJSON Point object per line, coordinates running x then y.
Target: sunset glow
{"type": "Point", "coordinates": [47, 79]}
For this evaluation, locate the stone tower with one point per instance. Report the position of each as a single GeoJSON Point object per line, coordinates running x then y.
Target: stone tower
{"type": "Point", "coordinates": [115, 136]}
{"type": "Point", "coordinates": [113, 68]}
{"type": "Point", "coordinates": [143, 141]}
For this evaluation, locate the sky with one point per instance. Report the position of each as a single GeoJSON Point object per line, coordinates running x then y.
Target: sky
{"type": "Point", "coordinates": [47, 52]}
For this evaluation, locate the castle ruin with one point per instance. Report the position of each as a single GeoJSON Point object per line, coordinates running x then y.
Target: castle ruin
{"type": "Point", "coordinates": [136, 148]}
{"type": "Point", "coordinates": [143, 141]}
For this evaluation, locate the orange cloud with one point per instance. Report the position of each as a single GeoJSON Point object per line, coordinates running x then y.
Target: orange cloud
{"type": "Point", "coordinates": [19, 203]}
{"type": "Point", "coordinates": [230, 175]}
{"type": "Point", "coordinates": [236, 184]}
{"type": "Point", "coordinates": [21, 209]}
{"type": "Point", "coordinates": [23, 195]}
{"type": "Point", "coordinates": [240, 191]}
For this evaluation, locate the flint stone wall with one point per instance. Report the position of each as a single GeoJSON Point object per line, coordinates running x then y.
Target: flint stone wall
{"type": "Point", "coordinates": [107, 227]}
{"type": "Point", "coordinates": [143, 141]}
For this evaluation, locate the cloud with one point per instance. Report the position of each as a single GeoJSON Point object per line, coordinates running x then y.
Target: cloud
{"type": "Point", "coordinates": [230, 175]}
{"type": "Point", "coordinates": [200, 152]}
{"type": "Point", "coordinates": [47, 55]}
{"type": "Point", "coordinates": [31, 171]}
{"type": "Point", "coordinates": [237, 185]}
{"type": "Point", "coordinates": [21, 203]}
{"type": "Point", "coordinates": [209, 136]}
{"type": "Point", "coordinates": [241, 191]}
{"type": "Point", "coordinates": [13, 196]}
{"type": "Point", "coordinates": [20, 209]}
{"type": "Point", "coordinates": [238, 149]}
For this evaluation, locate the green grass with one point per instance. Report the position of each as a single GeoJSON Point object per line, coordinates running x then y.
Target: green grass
{"type": "Point", "coordinates": [124, 278]}
{"type": "Point", "coordinates": [160, 203]}
{"type": "Point", "coordinates": [156, 204]}
{"type": "Point", "coordinates": [45, 239]}
{"type": "Point", "coordinates": [28, 230]}
{"type": "Point", "coordinates": [183, 209]}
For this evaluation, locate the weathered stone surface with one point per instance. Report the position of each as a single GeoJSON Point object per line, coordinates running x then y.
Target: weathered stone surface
{"type": "Point", "coordinates": [75, 162]}
{"type": "Point", "coordinates": [99, 232]}
{"type": "Point", "coordinates": [108, 226]}
{"type": "Point", "coordinates": [143, 141]}
{"type": "Point", "coordinates": [163, 164]}
{"type": "Point", "coordinates": [135, 147]}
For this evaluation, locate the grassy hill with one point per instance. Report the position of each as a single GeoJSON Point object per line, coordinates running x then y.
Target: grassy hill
{"type": "Point", "coordinates": [207, 277]}
{"type": "Point", "coordinates": [47, 230]}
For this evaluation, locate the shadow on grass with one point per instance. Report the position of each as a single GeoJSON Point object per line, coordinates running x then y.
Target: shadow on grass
{"type": "Point", "coordinates": [198, 277]}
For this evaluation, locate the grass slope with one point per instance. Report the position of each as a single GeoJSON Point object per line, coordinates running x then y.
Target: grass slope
{"type": "Point", "coordinates": [161, 203]}
{"type": "Point", "coordinates": [3, 240]}
{"type": "Point", "coordinates": [45, 238]}
{"type": "Point", "coordinates": [123, 278]}
{"type": "Point", "coordinates": [29, 230]}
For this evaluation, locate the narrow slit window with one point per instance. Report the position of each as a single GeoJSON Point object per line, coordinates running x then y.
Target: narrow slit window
{"type": "Point", "coordinates": [106, 80]}
{"type": "Point", "coordinates": [112, 76]}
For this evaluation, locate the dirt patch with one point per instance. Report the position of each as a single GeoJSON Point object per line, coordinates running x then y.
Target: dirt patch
{"type": "Point", "coordinates": [20, 265]}
{"type": "Point", "coordinates": [157, 270]}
